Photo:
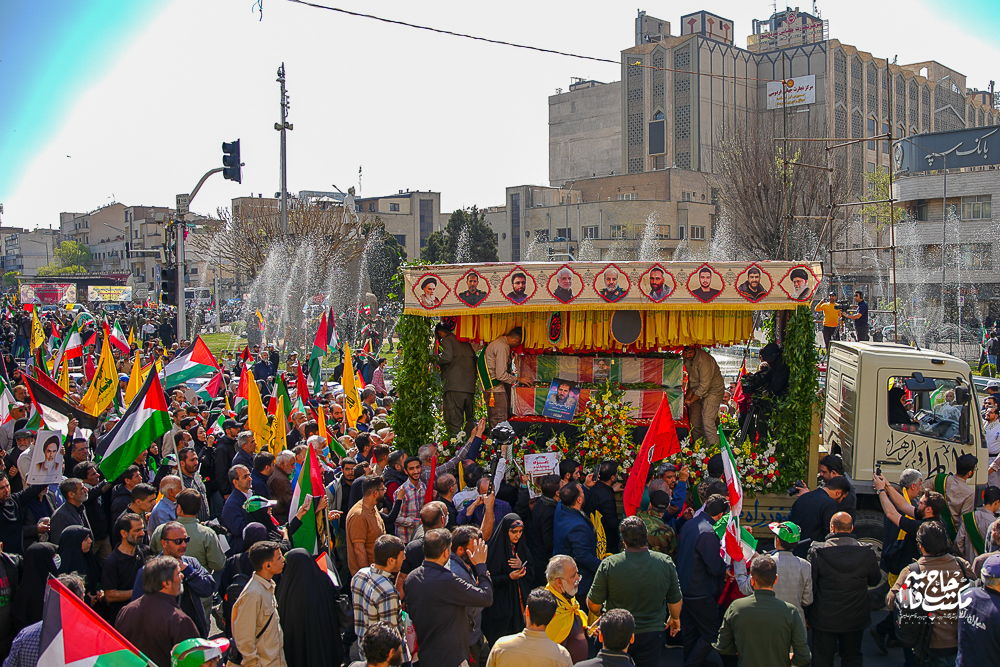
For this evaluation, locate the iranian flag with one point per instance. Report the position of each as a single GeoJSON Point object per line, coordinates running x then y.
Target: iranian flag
{"type": "Point", "coordinates": [119, 339]}
{"type": "Point", "coordinates": [319, 350]}
{"type": "Point", "coordinates": [242, 392]}
{"type": "Point", "coordinates": [735, 539]}
{"type": "Point", "coordinates": [72, 343]}
{"type": "Point", "coordinates": [309, 483]}
{"type": "Point", "coordinates": [145, 420]}
{"type": "Point", "coordinates": [280, 393]}
{"type": "Point", "coordinates": [73, 634]}
{"type": "Point", "coordinates": [195, 361]}
{"type": "Point", "coordinates": [6, 398]}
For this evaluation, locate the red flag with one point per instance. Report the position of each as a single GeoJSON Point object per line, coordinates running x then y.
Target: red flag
{"type": "Point", "coordinates": [361, 380]}
{"type": "Point", "coordinates": [89, 369]}
{"type": "Point", "coordinates": [301, 388]}
{"type": "Point", "coordinates": [429, 494]}
{"type": "Point", "coordinates": [738, 394]}
{"type": "Point", "coordinates": [660, 442]}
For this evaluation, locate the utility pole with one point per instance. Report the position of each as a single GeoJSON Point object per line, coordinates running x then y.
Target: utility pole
{"type": "Point", "coordinates": [282, 127]}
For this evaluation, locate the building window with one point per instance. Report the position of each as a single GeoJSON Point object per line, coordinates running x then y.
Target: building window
{"type": "Point", "coordinates": [515, 227]}
{"type": "Point", "coordinates": [920, 211]}
{"type": "Point", "coordinates": [627, 196]}
{"type": "Point", "coordinates": [685, 196]}
{"type": "Point", "coordinates": [977, 255]}
{"type": "Point", "coordinates": [680, 232]}
{"type": "Point", "coordinates": [193, 271]}
{"type": "Point", "coordinates": [589, 232]}
{"type": "Point", "coordinates": [617, 231]}
{"type": "Point", "coordinates": [663, 231]}
{"type": "Point", "coordinates": [371, 207]}
{"type": "Point", "coordinates": [871, 133]}
{"type": "Point", "coordinates": [564, 233]}
{"type": "Point", "coordinates": [357, 208]}
{"type": "Point", "coordinates": [394, 208]}
{"type": "Point", "coordinates": [400, 239]}
{"type": "Point", "coordinates": [977, 208]}
{"type": "Point", "coordinates": [697, 233]}
{"type": "Point", "coordinates": [885, 144]}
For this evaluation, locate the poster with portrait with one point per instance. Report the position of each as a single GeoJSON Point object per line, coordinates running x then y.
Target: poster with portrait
{"type": "Point", "coordinates": [799, 283]}
{"type": "Point", "coordinates": [430, 291]}
{"type": "Point", "coordinates": [537, 466]}
{"type": "Point", "coordinates": [602, 369]}
{"type": "Point", "coordinates": [611, 283]}
{"type": "Point", "coordinates": [657, 283]}
{"type": "Point", "coordinates": [472, 288]}
{"type": "Point", "coordinates": [754, 283]}
{"type": "Point", "coordinates": [518, 286]}
{"type": "Point", "coordinates": [46, 465]}
{"type": "Point", "coordinates": [705, 284]}
{"type": "Point", "coordinates": [562, 399]}
{"type": "Point", "coordinates": [565, 284]}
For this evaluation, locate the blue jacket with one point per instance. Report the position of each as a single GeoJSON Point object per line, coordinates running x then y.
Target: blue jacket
{"type": "Point", "coordinates": [699, 564]}
{"type": "Point", "coordinates": [574, 535]}
{"type": "Point", "coordinates": [258, 485]}
{"type": "Point", "coordinates": [979, 628]}
{"type": "Point", "coordinates": [234, 518]}
{"type": "Point", "coordinates": [243, 459]}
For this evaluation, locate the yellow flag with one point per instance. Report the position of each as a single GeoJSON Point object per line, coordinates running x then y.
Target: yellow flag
{"type": "Point", "coordinates": [131, 337]}
{"type": "Point", "coordinates": [352, 401]}
{"type": "Point", "coordinates": [136, 379]}
{"type": "Point", "coordinates": [37, 332]}
{"type": "Point", "coordinates": [64, 374]}
{"type": "Point", "coordinates": [278, 435]}
{"type": "Point", "coordinates": [256, 414]}
{"type": "Point", "coordinates": [321, 422]}
{"type": "Point", "coordinates": [105, 383]}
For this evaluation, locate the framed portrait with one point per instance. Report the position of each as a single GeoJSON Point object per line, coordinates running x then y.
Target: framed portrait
{"type": "Point", "coordinates": [657, 283]}
{"type": "Point", "coordinates": [754, 283]}
{"type": "Point", "coordinates": [562, 399]}
{"type": "Point", "coordinates": [799, 283]}
{"type": "Point", "coordinates": [705, 284]}
{"type": "Point", "coordinates": [612, 284]}
{"type": "Point", "coordinates": [430, 291]}
{"type": "Point", "coordinates": [46, 459]}
{"type": "Point", "coordinates": [518, 286]}
{"type": "Point", "coordinates": [472, 288]}
{"type": "Point", "coordinates": [565, 284]}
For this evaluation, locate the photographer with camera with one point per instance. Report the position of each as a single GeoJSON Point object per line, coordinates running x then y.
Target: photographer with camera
{"type": "Point", "coordinates": [763, 387]}
{"type": "Point", "coordinates": [831, 318]}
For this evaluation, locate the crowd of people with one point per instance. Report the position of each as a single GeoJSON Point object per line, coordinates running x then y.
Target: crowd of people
{"type": "Point", "coordinates": [432, 559]}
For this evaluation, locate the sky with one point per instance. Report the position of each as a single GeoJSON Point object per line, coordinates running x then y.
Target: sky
{"type": "Point", "coordinates": [130, 100]}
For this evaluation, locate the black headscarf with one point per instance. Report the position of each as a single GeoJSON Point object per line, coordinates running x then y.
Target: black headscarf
{"type": "Point", "coordinates": [897, 411]}
{"type": "Point", "coordinates": [74, 561]}
{"type": "Point", "coordinates": [307, 607]}
{"type": "Point", "coordinates": [505, 615]}
{"type": "Point", "coordinates": [239, 563]}
{"type": "Point", "coordinates": [39, 563]}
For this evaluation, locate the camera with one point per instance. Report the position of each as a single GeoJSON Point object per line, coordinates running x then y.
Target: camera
{"type": "Point", "coordinates": [842, 305]}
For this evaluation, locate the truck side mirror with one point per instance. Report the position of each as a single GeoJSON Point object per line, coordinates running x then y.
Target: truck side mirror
{"type": "Point", "coordinates": [962, 395]}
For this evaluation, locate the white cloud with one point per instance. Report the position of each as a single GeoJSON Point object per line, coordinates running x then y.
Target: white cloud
{"type": "Point", "coordinates": [418, 110]}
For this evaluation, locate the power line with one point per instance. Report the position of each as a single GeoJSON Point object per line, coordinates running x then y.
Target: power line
{"type": "Point", "coordinates": [529, 47]}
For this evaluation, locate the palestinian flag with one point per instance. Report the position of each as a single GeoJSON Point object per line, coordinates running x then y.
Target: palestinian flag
{"type": "Point", "coordinates": [47, 382]}
{"type": "Point", "coordinates": [279, 393]}
{"type": "Point", "coordinates": [320, 349]}
{"type": "Point", "coordinates": [55, 411]}
{"type": "Point", "coordinates": [73, 634]}
{"type": "Point", "coordinates": [310, 482]}
{"type": "Point", "coordinates": [210, 389]}
{"type": "Point", "coordinates": [119, 339]}
{"type": "Point", "coordinates": [216, 427]}
{"type": "Point", "coordinates": [331, 330]}
{"type": "Point", "coordinates": [145, 420]}
{"type": "Point", "coordinates": [72, 344]}
{"type": "Point", "coordinates": [55, 340]}
{"type": "Point", "coordinates": [6, 398]}
{"type": "Point", "coordinates": [242, 391]}
{"type": "Point", "coordinates": [195, 361]}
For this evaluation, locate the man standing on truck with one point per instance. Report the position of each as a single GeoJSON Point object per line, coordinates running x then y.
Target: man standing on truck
{"type": "Point", "coordinates": [861, 317]}
{"type": "Point", "coordinates": [497, 359]}
{"type": "Point", "coordinates": [704, 394]}
{"type": "Point", "coordinates": [959, 496]}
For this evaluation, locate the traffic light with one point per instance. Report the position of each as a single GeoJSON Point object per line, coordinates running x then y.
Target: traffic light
{"type": "Point", "coordinates": [168, 286]}
{"type": "Point", "coordinates": [231, 161]}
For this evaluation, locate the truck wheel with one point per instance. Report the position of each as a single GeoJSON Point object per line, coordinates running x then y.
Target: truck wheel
{"type": "Point", "coordinates": [868, 529]}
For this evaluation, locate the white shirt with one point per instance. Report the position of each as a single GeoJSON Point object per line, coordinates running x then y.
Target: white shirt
{"type": "Point", "coordinates": [993, 436]}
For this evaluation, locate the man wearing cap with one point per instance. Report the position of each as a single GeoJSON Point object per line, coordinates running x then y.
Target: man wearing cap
{"type": "Point", "coordinates": [660, 536]}
{"type": "Point", "coordinates": [794, 574]}
{"type": "Point", "coordinates": [22, 441]}
{"type": "Point", "coordinates": [199, 652]}
{"type": "Point", "coordinates": [979, 620]}
{"type": "Point", "coordinates": [831, 318]}
{"type": "Point", "coordinates": [225, 451]}
{"type": "Point", "coordinates": [17, 411]}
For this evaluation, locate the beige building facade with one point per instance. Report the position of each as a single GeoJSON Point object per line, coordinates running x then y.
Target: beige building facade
{"type": "Point", "coordinates": [410, 216]}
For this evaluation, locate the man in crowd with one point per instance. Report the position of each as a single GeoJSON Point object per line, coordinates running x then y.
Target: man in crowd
{"type": "Point", "coordinates": [703, 395]}
{"type": "Point", "coordinates": [373, 592]}
{"type": "Point", "coordinates": [437, 600]}
{"type": "Point", "coordinates": [121, 495]}
{"type": "Point", "coordinates": [383, 645]}
{"type": "Point", "coordinates": [531, 647]}
{"type": "Point", "coordinates": [412, 493]}
{"type": "Point", "coordinates": [602, 499]}
{"type": "Point", "coordinates": [860, 317]}
{"type": "Point", "coordinates": [166, 508]}
{"type": "Point", "coordinates": [763, 629]}
{"type": "Point", "coordinates": [118, 575]}
{"type": "Point", "coordinates": [813, 511]}
{"type": "Point", "coordinates": [979, 622]}
{"type": "Point", "coordinates": [498, 365]}
{"type": "Point", "coordinates": [843, 569]}
{"type": "Point", "coordinates": [831, 318]}
{"type": "Point", "coordinates": [831, 466]}
{"type": "Point", "coordinates": [975, 526]}
{"type": "Point", "coordinates": [247, 445]}
{"type": "Point", "coordinates": [644, 582]}
{"type": "Point", "coordinates": [263, 466]}
{"type": "Point", "coordinates": [616, 631]}
{"type": "Point", "coordinates": [143, 497]}
{"type": "Point", "coordinates": [225, 451]}
{"type": "Point", "coordinates": [457, 360]}
{"type": "Point", "coordinates": [152, 622]}
{"type": "Point", "coordinates": [256, 626]}
{"type": "Point", "coordinates": [280, 484]}
{"type": "Point", "coordinates": [794, 573]}
{"type": "Point", "coordinates": [188, 465]}
{"type": "Point", "coordinates": [234, 516]}
{"type": "Point", "coordinates": [573, 535]}
{"type": "Point", "coordinates": [12, 515]}
{"type": "Point", "coordinates": [71, 512]}
{"type": "Point", "coordinates": [364, 525]}
{"type": "Point", "coordinates": [958, 494]}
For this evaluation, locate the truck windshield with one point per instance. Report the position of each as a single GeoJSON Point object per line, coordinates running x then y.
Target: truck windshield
{"type": "Point", "coordinates": [926, 408]}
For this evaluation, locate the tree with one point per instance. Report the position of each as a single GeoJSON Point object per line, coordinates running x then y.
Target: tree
{"type": "Point", "coordinates": [384, 259]}
{"type": "Point", "coordinates": [879, 189]}
{"type": "Point", "coordinates": [467, 238]}
{"type": "Point", "coordinates": [72, 253]}
{"type": "Point", "coordinates": [757, 193]}
{"type": "Point", "coordinates": [56, 270]}
{"type": "Point", "coordinates": [10, 279]}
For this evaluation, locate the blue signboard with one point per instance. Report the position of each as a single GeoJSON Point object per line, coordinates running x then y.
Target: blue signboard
{"type": "Point", "coordinates": [956, 149]}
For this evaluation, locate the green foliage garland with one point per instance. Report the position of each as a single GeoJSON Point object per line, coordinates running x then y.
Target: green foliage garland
{"type": "Point", "coordinates": [792, 426]}
{"type": "Point", "coordinates": [412, 417]}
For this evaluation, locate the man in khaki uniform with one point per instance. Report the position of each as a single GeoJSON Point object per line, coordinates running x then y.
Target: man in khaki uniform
{"type": "Point", "coordinates": [956, 491]}
{"type": "Point", "coordinates": [498, 365]}
{"type": "Point", "coordinates": [256, 629]}
{"type": "Point", "coordinates": [704, 394]}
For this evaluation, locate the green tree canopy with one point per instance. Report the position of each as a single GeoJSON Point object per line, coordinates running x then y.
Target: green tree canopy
{"type": "Point", "coordinates": [451, 246]}
{"type": "Point", "coordinates": [10, 279]}
{"type": "Point", "coordinates": [72, 253]}
{"type": "Point", "coordinates": [56, 270]}
{"type": "Point", "coordinates": [383, 266]}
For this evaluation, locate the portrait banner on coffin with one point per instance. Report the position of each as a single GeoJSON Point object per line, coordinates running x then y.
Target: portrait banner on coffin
{"type": "Point", "coordinates": [471, 289]}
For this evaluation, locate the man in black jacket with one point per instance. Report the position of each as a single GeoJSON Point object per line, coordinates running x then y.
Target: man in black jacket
{"type": "Point", "coordinates": [842, 571]}
{"type": "Point", "coordinates": [813, 511]}
{"type": "Point", "coordinates": [225, 451]}
{"type": "Point", "coordinates": [12, 515]}
{"type": "Point", "coordinates": [602, 499]}
{"type": "Point", "coordinates": [538, 514]}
